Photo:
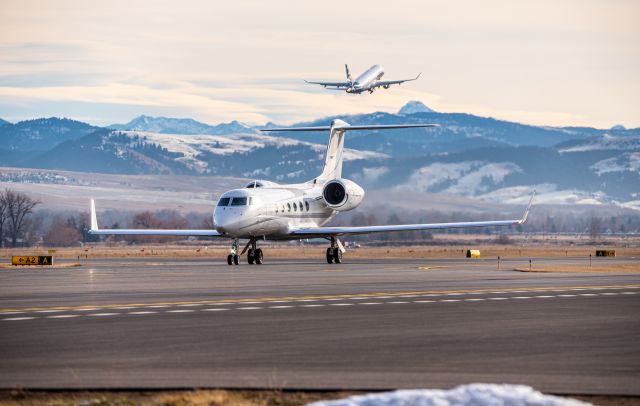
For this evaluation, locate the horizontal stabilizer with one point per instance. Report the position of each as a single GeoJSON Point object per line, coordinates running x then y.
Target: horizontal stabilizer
{"type": "Point", "coordinates": [352, 127]}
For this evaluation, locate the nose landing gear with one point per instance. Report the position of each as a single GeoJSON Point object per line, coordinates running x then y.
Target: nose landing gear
{"type": "Point", "coordinates": [233, 258]}
{"type": "Point", "coordinates": [254, 254]}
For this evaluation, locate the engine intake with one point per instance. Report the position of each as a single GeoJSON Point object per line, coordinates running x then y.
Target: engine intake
{"type": "Point", "coordinates": [342, 194]}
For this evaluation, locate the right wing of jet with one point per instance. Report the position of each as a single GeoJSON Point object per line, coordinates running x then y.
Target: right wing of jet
{"type": "Point", "coordinates": [332, 85]}
{"type": "Point", "coordinates": [314, 232]}
{"type": "Point", "coordinates": [145, 231]}
{"type": "Point", "coordinates": [387, 83]}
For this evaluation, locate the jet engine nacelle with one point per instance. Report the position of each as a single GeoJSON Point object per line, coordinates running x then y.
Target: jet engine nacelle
{"type": "Point", "coordinates": [342, 194]}
{"type": "Point", "coordinates": [386, 86]}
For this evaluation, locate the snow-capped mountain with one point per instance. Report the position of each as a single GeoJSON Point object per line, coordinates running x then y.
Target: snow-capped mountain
{"type": "Point", "coordinates": [414, 107]}
{"type": "Point", "coordinates": [166, 125]}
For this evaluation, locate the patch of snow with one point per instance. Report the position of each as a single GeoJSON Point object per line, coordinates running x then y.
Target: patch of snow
{"type": "Point", "coordinates": [626, 162]}
{"type": "Point", "coordinates": [413, 107]}
{"type": "Point", "coordinates": [465, 178]}
{"type": "Point", "coordinates": [607, 142]}
{"type": "Point", "coordinates": [546, 193]}
{"type": "Point", "coordinates": [477, 394]}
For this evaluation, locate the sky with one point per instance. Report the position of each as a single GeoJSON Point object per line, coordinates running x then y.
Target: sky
{"type": "Point", "coordinates": [558, 63]}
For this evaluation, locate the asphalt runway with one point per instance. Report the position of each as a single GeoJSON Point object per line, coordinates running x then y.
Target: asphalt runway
{"type": "Point", "coordinates": [305, 324]}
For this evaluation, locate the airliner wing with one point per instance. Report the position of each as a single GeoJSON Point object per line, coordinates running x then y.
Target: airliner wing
{"type": "Point", "coordinates": [338, 231]}
{"type": "Point", "coordinates": [338, 85]}
{"type": "Point", "coordinates": [145, 231]}
{"type": "Point", "coordinates": [387, 83]}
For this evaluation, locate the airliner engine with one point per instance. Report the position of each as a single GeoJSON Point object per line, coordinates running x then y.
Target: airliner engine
{"type": "Point", "coordinates": [342, 194]}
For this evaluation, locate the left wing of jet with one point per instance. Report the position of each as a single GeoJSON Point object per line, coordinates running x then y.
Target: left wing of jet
{"type": "Point", "coordinates": [145, 231]}
{"type": "Point", "coordinates": [329, 85]}
{"type": "Point", "coordinates": [387, 83]}
{"type": "Point", "coordinates": [339, 231]}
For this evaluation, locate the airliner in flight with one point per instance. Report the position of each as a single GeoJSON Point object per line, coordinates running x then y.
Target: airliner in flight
{"type": "Point", "coordinates": [264, 210]}
{"type": "Point", "coordinates": [367, 82]}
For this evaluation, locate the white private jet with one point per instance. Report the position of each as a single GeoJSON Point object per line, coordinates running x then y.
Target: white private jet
{"type": "Point", "coordinates": [368, 81]}
{"type": "Point", "coordinates": [265, 210]}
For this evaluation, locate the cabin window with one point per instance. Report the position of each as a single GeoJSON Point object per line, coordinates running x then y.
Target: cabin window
{"type": "Point", "coordinates": [239, 201]}
{"type": "Point", "coordinates": [300, 206]}
{"type": "Point", "coordinates": [306, 204]}
{"type": "Point", "coordinates": [224, 201]}
{"type": "Point", "coordinates": [289, 206]}
{"type": "Point", "coordinates": [295, 206]}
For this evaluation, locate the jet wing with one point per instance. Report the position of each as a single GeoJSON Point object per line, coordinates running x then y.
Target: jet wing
{"type": "Point", "coordinates": [387, 83]}
{"type": "Point", "coordinates": [339, 231]}
{"type": "Point", "coordinates": [337, 85]}
{"type": "Point", "coordinates": [145, 231]}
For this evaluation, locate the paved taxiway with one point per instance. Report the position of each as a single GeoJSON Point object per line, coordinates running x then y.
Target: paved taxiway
{"type": "Point", "coordinates": [365, 324]}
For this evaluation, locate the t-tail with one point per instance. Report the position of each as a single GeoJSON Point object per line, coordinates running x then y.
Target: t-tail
{"type": "Point", "coordinates": [335, 146]}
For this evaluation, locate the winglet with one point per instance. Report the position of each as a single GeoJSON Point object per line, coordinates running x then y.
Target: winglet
{"type": "Point", "coordinates": [418, 76]}
{"type": "Point", "coordinates": [94, 218]}
{"type": "Point", "coordinates": [526, 211]}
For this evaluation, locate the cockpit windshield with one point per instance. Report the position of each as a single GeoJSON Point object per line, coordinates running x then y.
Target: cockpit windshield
{"type": "Point", "coordinates": [239, 201]}
{"type": "Point", "coordinates": [224, 201]}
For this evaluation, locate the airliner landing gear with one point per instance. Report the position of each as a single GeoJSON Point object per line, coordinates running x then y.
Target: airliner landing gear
{"type": "Point", "coordinates": [254, 254]}
{"type": "Point", "coordinates": [334, 254]}
{"type": "Point", "coordinates": [233, 258]}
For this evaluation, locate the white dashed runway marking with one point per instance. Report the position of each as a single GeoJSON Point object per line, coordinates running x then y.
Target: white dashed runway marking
{"type": "Point", "coordinates": [345, 301]}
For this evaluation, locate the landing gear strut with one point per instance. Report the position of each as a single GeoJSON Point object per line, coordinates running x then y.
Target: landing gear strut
{"type": "Point", "coordinates": [334, 254]}
{"type": "Point", "coordinates": [233, 258]}
{"type": "Point", "coordinates": [254, 255]}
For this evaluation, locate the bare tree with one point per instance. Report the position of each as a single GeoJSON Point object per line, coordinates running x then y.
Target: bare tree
{"type": "Point", "coordinates": [3, 216]}
{"type": "Point", "coordinates": [595, 227]}
{"type": "Point", "coordinates": [19, 206]}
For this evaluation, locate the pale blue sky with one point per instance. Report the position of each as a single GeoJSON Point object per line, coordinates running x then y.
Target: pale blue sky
{"type": "Point", "coordinates": [574, 62]}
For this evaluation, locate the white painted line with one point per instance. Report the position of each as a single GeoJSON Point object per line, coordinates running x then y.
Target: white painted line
{"type": "Point", "coordinates": [370, 303]}
{"type": "Point", "coordinates": [19, 318]}
{"type": "Point", "coordinates": [125, 307]}
{"type": "Point", "coordinates": [522, 297]}
{"type": "Point", "coordinates": [143, 312]}
{"type": "Point", "coordinates": [334, 299]}
{"type": "Point", "coordinates": [179, 311]}
{"type": "Point", "coordinates": [609, 293]}
{"type": "Point", "coordinates": [88, 309]}
{"type": "Point", "coordinates": [280, 301]}
{"type": "Point", "coordinates": [453, 294]}
{"type": "Point", "coordinates": [588, 294]}
{"type": "Point", "coordinates": [63, 316]}
{"type": "Point", "coordinates": [567, 295]}
{"type": "Point", "coordinates": [12, 313]}
{"type": "Point", "coordinates": [544, 296]}
{"type": "Point", "coordinates": [518, 291]}
{"type": "Point", "coordinates": [341, 304]}
{"type": "Point", "coordinates": [628, 293]}
{"type": "Point", "coordinates": [307, 300]}
{"type": "Point", "coordinates": [475, 293]}
{"type": "Point", "coordinates": [449, 300]}
{"type": "Point", "coordinates": [358, 298]}
{"type": "Point", "coordinates": [473, 300]}
{"type": "Point", "coordinates": [214, 310]}
{"type": "Point", "coordinates": [157, 306]}
{"type": "Point", "coordinates": [280, 307]}
{"type": "Point", "coordinates": [381, 297]}
{"type": "Point", "coordinates": [408, 296]}
{"type": "Point", "coordinates": [221, 304]}
{"type": "Point", "coordinates": [250, 303]}
{"type": "Point", "coordinates": [190, 305]}
{"type": "Point", "coordinates": [48, 311]}
{"type": "Point", "coordinates": [397, 302]}
{"type": "Point", "coordinates": [249, 308]}
{"type": "Point", "coordinates": [498, 298]}
{"type": "Point", "coordinates": [315, 305]}
{"type": "Point", "coordinates": [102, 314]}
{"type": "Point", "coordinates": [424, 301]}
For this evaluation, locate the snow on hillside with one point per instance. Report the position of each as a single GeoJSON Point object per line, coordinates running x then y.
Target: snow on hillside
{"type": "Point", "coordinates": [546, 193]}
{"type": "Point", "coordinates": [477, 394]}
{"type": "Point", "coordinates": [461, 178]}
{"type": "Point", "coordinates": [191, 146]}
{"type": "Point", "coordinates": [607, 142]}
{"type": "Point", "coordinates": [626, 162]}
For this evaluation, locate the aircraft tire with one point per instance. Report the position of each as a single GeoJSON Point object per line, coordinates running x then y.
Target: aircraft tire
{"type": "Point", "coordinates": [236, 259]}
{"type": "Point", "coordinates": [337, 255]}
{"type": "Point", "coordinates": [329, 256]}
{"type": "Point", "coordinates": [258, 256]}
{"type": "Point", "coordinates": [229, 259]}
{"type": "Point", "coordinates": [250, 256]}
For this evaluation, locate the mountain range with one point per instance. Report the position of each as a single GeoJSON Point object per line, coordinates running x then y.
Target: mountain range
{"type": "Point", "coordinates": [465, 155]}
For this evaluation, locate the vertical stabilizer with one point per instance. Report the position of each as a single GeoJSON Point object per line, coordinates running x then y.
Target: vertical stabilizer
{"type": "Point", "coordinates": [333, 159]}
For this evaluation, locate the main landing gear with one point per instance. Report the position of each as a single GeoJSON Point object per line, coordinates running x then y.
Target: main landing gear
{"type": "Point", "coordinates": [334, 253]}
